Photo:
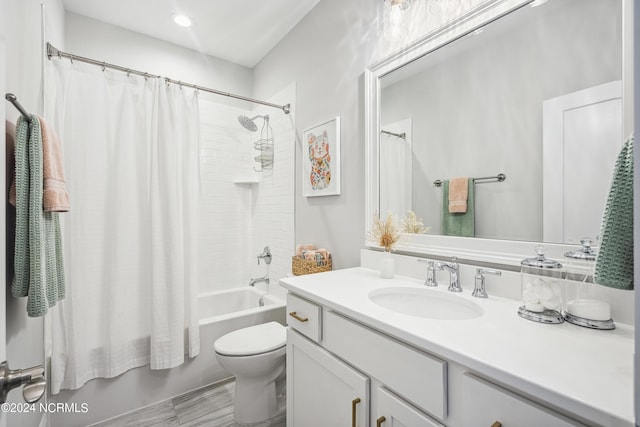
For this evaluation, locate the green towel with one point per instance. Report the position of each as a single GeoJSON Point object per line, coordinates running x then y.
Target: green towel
{"type": "Point", "coordinates": [458, 224]}
{"type": "Point", "coordinates": [614, 263]}
{"type": "Point", "coordinates": [39, 271]}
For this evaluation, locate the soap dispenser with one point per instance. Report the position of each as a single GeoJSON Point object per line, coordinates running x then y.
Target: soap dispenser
{"type": "Point", "coordinates": [541, 292]}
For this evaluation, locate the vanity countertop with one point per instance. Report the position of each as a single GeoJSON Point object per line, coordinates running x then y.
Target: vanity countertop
{"type": "Point", "coordinates": [584, 371]}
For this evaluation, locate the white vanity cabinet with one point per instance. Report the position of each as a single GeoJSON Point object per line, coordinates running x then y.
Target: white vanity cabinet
{"type": "Point", "coordinates": [393, 411]}
{"type": "Point", "coordinates": [341, 372]}
{"type": "Point", "coordinates": [327, 384]}
{"type": "Point", "coordinates": [322, 390]}
{"type": "Point", "coordinates": [485, 404]}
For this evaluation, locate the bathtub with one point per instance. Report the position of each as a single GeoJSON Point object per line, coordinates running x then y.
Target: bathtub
{"type": "Point", "coordinates": [220, 312]}
{"type": "Point", "coordinates": [245, 301]}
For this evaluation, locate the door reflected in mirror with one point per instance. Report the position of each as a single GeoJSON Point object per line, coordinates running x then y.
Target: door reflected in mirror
{"type": "Point", "coordinates": [535, 95]}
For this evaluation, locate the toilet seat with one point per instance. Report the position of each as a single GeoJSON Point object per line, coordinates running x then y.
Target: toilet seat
{"type": "Point", "coordinates": [253, 340]}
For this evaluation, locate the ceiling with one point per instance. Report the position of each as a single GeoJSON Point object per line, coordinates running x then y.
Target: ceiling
{"type": "Point", "coordinates": [239, 31]}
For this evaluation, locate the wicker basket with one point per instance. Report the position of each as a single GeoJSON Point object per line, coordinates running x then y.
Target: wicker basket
{"type": "Point", "coordinates": [301, 266]}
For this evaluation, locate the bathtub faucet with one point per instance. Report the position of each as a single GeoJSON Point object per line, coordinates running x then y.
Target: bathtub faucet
{"type": "Point", "coordinates": [264, 279]}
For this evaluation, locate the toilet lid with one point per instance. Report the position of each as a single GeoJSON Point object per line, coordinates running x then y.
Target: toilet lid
{"type": "Point", "coordinates": [252, 340]}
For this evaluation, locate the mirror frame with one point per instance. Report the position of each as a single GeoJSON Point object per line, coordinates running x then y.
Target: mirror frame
{"type": "Point", "coordinates": [494, 251]}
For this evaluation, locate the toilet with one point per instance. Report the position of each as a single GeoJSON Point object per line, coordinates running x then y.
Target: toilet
{"type": "Point", "coordinates": [256, 356]}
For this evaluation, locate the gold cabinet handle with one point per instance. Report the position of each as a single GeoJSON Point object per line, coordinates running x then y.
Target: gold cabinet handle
{"type": "Point", "coordinates": [496, 424]}
{"type": "Point", "coordinates": [295, 316]}
{"type": "Point", "coordinates": [354, 403]}
{"type": "Point", "coordinates": [380, 420]}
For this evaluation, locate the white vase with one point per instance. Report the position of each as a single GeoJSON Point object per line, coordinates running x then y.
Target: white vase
{"type": "Point", "coordinates": [388, 266]}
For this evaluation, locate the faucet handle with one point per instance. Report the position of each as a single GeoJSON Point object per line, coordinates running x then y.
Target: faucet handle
{"type": "Point", "coordinates": [265, 255]}
{"type": "Point", "coordinates": [431, 279]}
{"type": "Point", "coordinates": [479, 289]}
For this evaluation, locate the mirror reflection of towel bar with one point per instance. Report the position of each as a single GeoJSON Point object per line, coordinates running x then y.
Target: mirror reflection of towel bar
{"type": "Point", "coordinates": [402, 135]}
{"type": "Point", "coordinates": [498, 178]}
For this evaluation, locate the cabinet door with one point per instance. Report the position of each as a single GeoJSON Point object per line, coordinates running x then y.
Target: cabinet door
{"type": "Point", "coordinates": [485, 404]}
{"type": "Point", "coordinates": [392, 411]}
{"type": "Point", "coordinates": [321, 390]}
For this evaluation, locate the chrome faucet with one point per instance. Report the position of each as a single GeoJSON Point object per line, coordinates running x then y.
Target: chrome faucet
{"type": "Point", "coordinates": [454, 274]}
{"type": "Point", "coordinates": [478, 290]}
{"type": "Point", "coordinates": [431, 279]}
{"type": "Point", "coordinates": [264, 279]}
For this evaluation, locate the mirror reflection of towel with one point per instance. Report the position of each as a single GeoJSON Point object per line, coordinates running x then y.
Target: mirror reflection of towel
{"type": "Point", "coordinates": [458, 194]}
{"type": "Point", "coordinates": [458, 224]}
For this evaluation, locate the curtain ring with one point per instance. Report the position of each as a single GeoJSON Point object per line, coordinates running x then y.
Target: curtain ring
{"type": "Point", "coordinates": [104, 66]}
{"type": "Point", "coordinates": [128, 72]}
{"type": "Point", "coordinates": [146, 75]}
{"type": "Point", "coordinates": [71, 58]}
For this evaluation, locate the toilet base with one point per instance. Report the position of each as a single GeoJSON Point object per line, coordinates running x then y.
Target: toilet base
{"type": "Point", "coordinates": [258, 405]}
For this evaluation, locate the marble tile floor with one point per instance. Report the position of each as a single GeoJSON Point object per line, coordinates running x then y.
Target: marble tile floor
{"type": "Point", "coordinates": [210, 406]}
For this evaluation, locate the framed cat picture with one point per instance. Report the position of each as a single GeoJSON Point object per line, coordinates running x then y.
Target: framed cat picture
{"type": "Point", "coordinates": [321, 159]}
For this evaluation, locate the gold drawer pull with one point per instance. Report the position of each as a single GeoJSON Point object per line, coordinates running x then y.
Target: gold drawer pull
{"type": "Point", "coordinates": [354, 403]}
{"type": "Point", "coordinates": [295, 316]}
{"type": "Point", "coordinates": [380, 420]}
{"type": "Point", "coordinates": [496, 424]}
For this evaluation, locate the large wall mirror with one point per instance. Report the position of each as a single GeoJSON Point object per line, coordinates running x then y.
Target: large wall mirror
{"type": "Point", "coordinates": [524, 97]}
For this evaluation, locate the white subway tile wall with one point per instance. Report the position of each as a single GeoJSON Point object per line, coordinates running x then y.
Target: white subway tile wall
{"type": "Point", "coordinates": [238, 220]}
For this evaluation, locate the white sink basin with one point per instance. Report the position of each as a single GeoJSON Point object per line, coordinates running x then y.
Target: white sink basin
{"type": "Point", "coordinates": [427, 303]}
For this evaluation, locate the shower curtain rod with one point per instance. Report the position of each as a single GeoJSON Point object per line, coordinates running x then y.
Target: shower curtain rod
{"type": "Point", "coordinates": [52, 51]}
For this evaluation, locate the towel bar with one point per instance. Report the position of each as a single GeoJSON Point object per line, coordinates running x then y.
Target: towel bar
{"type": "Point", "coordinates": [498, 178]}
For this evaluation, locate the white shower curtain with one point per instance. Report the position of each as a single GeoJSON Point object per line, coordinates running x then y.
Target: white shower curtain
{"type": "Point", "coordinates": [131, 159]}
{"type": "Point", "coordinates": [396, 169]}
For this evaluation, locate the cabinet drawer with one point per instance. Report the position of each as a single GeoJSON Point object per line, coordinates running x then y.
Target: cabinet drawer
{"type": "Point", "coordinates": [305, 317]}
{"type": "Point", "coordinates": [392, 411]}
{"type": "Point", "coordinates": [412, 374]}
{"type": "Point", "coordinates": [485, 403]}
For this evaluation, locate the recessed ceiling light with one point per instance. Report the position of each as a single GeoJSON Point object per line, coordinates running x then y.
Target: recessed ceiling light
{"type": "Point", "coordinates": [182, 20]}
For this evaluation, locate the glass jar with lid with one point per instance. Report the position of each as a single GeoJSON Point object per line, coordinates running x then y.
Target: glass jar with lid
{"type": "Point", "coordinates": [542, 296]}
{"type": "Point", "coordinates": [587, 304]}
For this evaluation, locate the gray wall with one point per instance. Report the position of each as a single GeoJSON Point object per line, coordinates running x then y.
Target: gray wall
{"type": "Point", "coordinates": [326, 54]}
{"type": "Point", "coordinates": [104, 42]}
{"type": "Point", "coordinates": [480, 113]}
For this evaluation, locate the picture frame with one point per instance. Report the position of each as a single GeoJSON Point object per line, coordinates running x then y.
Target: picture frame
{"type": "Point", "coordinates": [321, 159]}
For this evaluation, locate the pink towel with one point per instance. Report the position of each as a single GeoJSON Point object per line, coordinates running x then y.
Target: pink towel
{"type": "Point", "coordinates": [458, 193]}
{"type": "Point", "coordinates": [301, 248]}
{"type": "Point", "coordinates": [54, 194]}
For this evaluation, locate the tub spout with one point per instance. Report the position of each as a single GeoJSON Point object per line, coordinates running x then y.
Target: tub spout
{"type": "Point", "coordinates": [264, 279]}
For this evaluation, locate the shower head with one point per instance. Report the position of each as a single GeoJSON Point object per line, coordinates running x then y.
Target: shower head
{"type": "Point", "coordinates": [249, 124]}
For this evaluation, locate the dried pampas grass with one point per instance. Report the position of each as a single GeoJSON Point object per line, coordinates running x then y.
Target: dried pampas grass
{"type": "Point", "coordinates": [413, 225]}
{"type": "Point", "coordinates": [384, 233]}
